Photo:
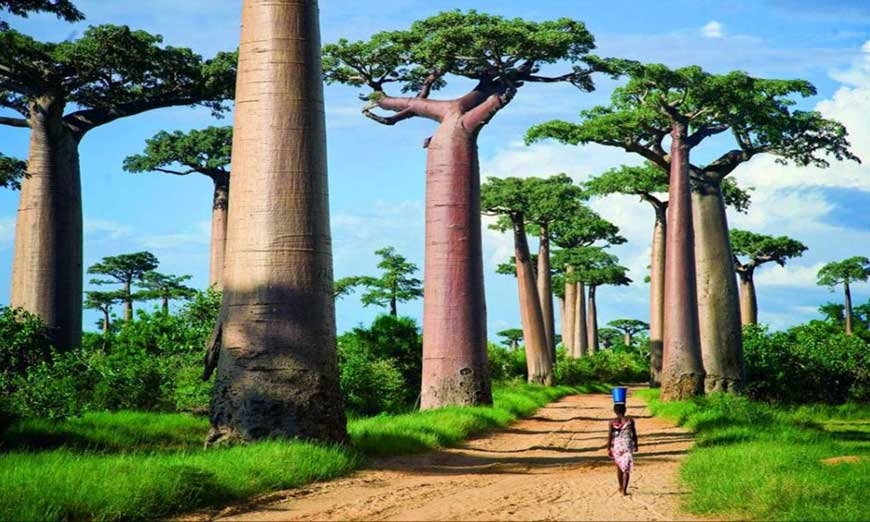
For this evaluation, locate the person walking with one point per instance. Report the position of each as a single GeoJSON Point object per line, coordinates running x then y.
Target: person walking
{"type": "Point", "coordinates": [621, 445]}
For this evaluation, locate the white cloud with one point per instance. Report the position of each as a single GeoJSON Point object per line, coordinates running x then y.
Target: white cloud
{"type": "Point", "coordinates": [7, 230]}
{"type": "Point", "coordinates": [99, 229]}
{"type": "Point", "coordinates": [198, 235]}
{"type": "Point", "coordinates": [713, 30]}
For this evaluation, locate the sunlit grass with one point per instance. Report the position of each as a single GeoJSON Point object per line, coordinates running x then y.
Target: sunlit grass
{"type": "Point", "coordinates": [754, 460]}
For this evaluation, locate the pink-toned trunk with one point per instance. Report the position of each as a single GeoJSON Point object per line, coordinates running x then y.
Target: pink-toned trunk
{"type": "Point", "coordinates": [455, 370]}
{"type": "Point", "coordinates": [47, 263]}
{"type": "Point", "coordinates": [220, 204]}
{"type": "Point", "coordinates": [277, 370]}
{"type": "Point", "coordinates": [657, 297]}
{"type": "Point", "coordinates": [719, 327]}
{"type": "Point", "coordinates": [538, 359]}
{"type": "Point", "coordinates": [569, 326]}
{"type": "Point", "coordinates": [592, 321]}
{"type": "Point", "coordinates": [545, 290]}
{"type": "Point", "coordinates": [562, 322]}
{"type": "Point", "coordinates": [682, 373]}
{"type": "Point", "coordinates": [848, 308]}
{"type": "Point", "coordinates": [748, 300]}
{"type": "Point", "coordinates": [581, 332]}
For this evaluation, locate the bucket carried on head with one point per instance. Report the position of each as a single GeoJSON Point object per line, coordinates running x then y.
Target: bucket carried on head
{"type": "Point", "coordinates": [619, 395]}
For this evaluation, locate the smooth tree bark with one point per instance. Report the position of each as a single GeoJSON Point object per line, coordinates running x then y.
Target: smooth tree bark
{"type": "Point", "coordinates": [111, 72]}
{"type": "Point", "coordinates": [581, 330]}
{"type": "Point", "coordinates": [545, 290]}
{"type": "Point", "coordinates": [205, 152]}
{"type": "Point", "coordinates": [569, 335]}
{"type": "Point", "coordinates": [592, 321]}
{"type": "Point", "coordinates": [538, 354]}
{"type": "Point", "coordinates": [682, 370]}
{"type": "Point", "coordinates": [274, 344]}
{"type": "Point", "coordinates": [657, 295]}
{"type": "Point", "coordinates": [748, 299]}
{"type": "Point", "coordinates": [471, 45]}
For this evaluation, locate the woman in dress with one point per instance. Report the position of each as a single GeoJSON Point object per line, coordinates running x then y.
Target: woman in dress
{"type": "Point", "coordinates": [621, 445]}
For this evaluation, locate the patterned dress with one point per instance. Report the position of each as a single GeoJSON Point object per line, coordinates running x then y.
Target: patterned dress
{"type": "Point", "coordinates": [623, 444]}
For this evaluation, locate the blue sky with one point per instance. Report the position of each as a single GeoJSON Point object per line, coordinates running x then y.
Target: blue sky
{"type": "Point", "coordinates": [376, 173]}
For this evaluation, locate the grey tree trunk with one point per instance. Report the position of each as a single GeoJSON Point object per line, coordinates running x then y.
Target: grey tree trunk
{"type": "Point", "coordinates": [277, 370]}
{"type": "Point", "coordinates": [220, 204]}
{"type": "Point", "coordinates": [47, 263]}
{"type": "Point", "coordinates": [569, 334]}
{"type": "Point", "coordinates": [748, 300]}
{"type": "Point", "coordinates": [538, 359]}
{"type": "Point", "coordinates": [718, 303]}
{"type": "Point", "coordinates": [657, 297]}
{"type": "Point", "coordinates": [848, 308]}
{"type": "Point", "coordinates": [545, 290]}
{"type": "Point", "coordinates": [581, 333]}
{"type": "Point", "coordinates": [592, 322]}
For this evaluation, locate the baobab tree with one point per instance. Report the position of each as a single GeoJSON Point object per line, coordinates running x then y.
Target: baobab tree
{"type": "Point", "coordinates": [60, 92]}
{"type": "Point", "coordinates": [512, 337]}
{"type": "Point", "coordinates": [511, 199]}
{"type": "Point", "coordinates": [274, 342]}
{"type": "Point", "coordinates": [629, 327]}
{"type": "Point", "coordinates": [205, 152]}
{"type": "Point", "coordinates": [599, 269]}
{"type": "Point", "coordinates": [758, 249]}
{"type": "Point", "coordinates": [164, 287]}
{"type": "Point", "coordinates": [124, 269]}
{"type": "Point", "coordinates": [499, 56]}
{"type": "Point", "coordinates": [103, 302]}
{"type": "Point", "coordinates": [845, 272]}
{"type": "Point", "coordinates": [691, 105]}
{"type": "Point", "coordinates": [12, 171]}
{"type": "Point", "coordinates": [63, 9]}
{"type": "Point", "coordinates": [650, 183]}
{"type": "Point", "coordinates": [396, 284]}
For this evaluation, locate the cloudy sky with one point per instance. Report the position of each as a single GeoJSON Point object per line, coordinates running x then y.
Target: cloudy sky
{"type": "Point", "coordinates": [376, 173]}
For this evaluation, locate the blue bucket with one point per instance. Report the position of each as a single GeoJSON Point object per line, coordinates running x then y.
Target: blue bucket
{"type": "Point", "coordinates": [619, 395]}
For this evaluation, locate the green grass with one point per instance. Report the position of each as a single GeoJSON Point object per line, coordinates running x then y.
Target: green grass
{"type": "Point", "coordinates": [133, 465]}
{"type": "Point", "coordinates": [753, 460]}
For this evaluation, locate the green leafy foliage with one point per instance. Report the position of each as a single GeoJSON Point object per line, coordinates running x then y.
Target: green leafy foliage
{"type": "Point", "coordinates": [64, 9]}
{"type": "Point", "coordinates": [760, 248]}
{"type": "Point", "coordinates": [164, 287]}
{"type": "Point", "coordinates": [206, 151]}
{"type": "Point", "coordinates": [507, 365]}
{"type": "Point", "coordinates": [607, 366]}
{"type": "Point", "coordinates": [380, 366]}
{"type": "Point", "coordinates": [12, 171]}
{"type": "Point", "coordinates": [847, 271]}
{"type": "Point", "coordinates": [815, 362]}
{"type": "Point", "coordinates": [511, 337]}
{"type": "Point", "coordinates": [394, 286]}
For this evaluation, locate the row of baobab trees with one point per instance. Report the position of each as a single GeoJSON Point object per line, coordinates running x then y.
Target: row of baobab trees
{"type": "Point", "coordinates": [274, 343]}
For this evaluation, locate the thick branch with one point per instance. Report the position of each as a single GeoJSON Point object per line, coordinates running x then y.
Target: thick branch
{"type": "Point", "coordinates": [406, 108]}
{"type": "Point", "coordinates": [175, 172]}
{"type": "Point", "coordinates": [480, 115]}
{"type": "Point", "coordinates": [705, 132]}
{"type": "Point", "coordinates": [84, 120]}
{"type": "Point", "coordinates": [14, 122]}
{"type": "Point", "coordinates": [659, 159]}
{"type": "Point", "coordinates": [729, 161]}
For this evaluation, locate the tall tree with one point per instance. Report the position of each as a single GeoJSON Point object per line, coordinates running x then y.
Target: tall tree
{"type": "Point", "coordinates": [649, 182]}
{"type": "Point", "coordinates": [64, 9]}
{"type": "Point", "coordinates": [599, 269]}
{"type": "Point", "coordinates": [845, 272]}
{"type": "Point", "coordinates": [103, 302]}
{"type": "Point", "coordinates": [833, 312]}
{"type": "Point", "coordinates": [61, 91]}
{"type": "Point", "coordinates": [395, 284]}
{"type": "Point", "coordinates": [124, 269]}
{"type": "Point", "coordinates": [691, 105]}
{"type": "Point", "coordinates": [165, 287]}
{"type": "Point", "coordinates": [274, 341]}
{"type": "Point", "coordinates": [500, 56]}
{"type": "Point", "coordinates": [205, 152]}
{"type": "Point", "coordinates": [12, 171]}
{"type": "Point", "coordinates": [552, 199]}
{"type": "Point", "coordinates": [511, 199]}
{"type": "Point", "coordinates": [629, 327]}
{"type": "Point", "coordinates": [758, 249]}
{"type": "Point", "coordinates": [582, 228]}
{"type": "Point", "coordinates": [512, 337]}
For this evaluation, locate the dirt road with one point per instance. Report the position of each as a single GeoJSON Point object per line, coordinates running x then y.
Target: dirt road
{"type": "Point", "coordinates": [552, 466]}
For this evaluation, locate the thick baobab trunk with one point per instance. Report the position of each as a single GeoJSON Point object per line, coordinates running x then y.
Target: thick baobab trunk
{"type": "Point", "coordinates": [47, 264]}
{"type": "Point", "coordinates": [581, 331]}
{"type": "Point", "coordinates": [545, 290]}
{"type": "Point", "coordinates": [748, 300]}
{"type": "Point", "coordinates": [455, 368]}
{"type": "Point", "coordinates": [626, 339]}
{"type": "Point", "coordinates": [592, 321]}
{"type": "Point", "coordinates": [277, 370]}
{"type": "Point", "coordinates": [682, 372]}
{"type": "Point", "coordinates": [538, 359]}
{"type": "Point", "coordinates": [128, 302]}
{"type": "Point", "coordinates": [220, 204]}
{"type": "Point", "coordinates": [657, 297]}
{"type": "Point", "coordinates": [718, 303]}
{"type": "Point", "coordinates": [848, 308]}
{"type": "Point", "coordinates": [569, 320]}
{"type": "Point", "coordinates": [563, 324]}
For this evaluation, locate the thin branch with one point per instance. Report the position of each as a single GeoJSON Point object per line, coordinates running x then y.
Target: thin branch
{"type": "Point", "coordinates": [175, 172]}
{"type": "Point", "coordinates": [14, 122]}
{"type": "Point", "coordinates": [386, 120]}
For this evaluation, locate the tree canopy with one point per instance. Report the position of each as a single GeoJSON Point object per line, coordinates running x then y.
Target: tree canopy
{"type": "Point", "coordinates": [64, 9]}
{"type": "Point", "coordinates": [395, 284]}
{"type": "Point", "coordinates": [109, 73]}
{"type": "Point", "coordinates": [584, 227]}
{"type": "Point", "coordinates": [124, 268]}
{"type": "Point", "coordinates": [165, 287]}
{"type": "Point", "coordinates": [847, 271]}
{"type": "Point", "coordinates": [205, 151]}
{"type": "Point", "coordinates": [629, 326]}
{"type": "Point", "coordinates": [760, 249]}
{"type": "Point", "coordinates": [759, 114]}
{"type": "Point", "coordinates": [12, 171]}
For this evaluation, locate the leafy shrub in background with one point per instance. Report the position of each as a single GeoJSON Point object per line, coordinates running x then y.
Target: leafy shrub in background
{"type": "Point", "coordinates": [380, 366]}
{"type": "Point", "coordinates": [813, 362]}
{"type": "Point", "coordinates": [610, 366]}
{"type": "Point", "coordinates": [506, 364]}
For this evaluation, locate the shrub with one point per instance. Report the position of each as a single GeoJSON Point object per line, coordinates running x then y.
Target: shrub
{"type": "Point", "coordinates": [24, 342]}
{"type": "Point", "coordinates": [506, 365]}
{"type": "Point", "coordinates": [610, 366]}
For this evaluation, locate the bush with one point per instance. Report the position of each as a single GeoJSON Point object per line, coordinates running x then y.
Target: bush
{"type": "Point", "coordinates": [610, 366]}
{"type": "Point", "coordinates": [814, 362]}
{"type": "Point", "coordinates": [380, 367]}
{"type": "Point", "coordinates": [24, 343]}
{"type": "Point", "coordinates": [506, 365]}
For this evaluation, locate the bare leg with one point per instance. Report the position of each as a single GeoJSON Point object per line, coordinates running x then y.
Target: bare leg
{"type": "Point", "coordinates": [624, 483]}
{"type": "Point", "coordinates": [619, 476]}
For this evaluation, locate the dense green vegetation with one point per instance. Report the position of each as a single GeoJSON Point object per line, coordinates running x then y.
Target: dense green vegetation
{"type": "Point", "coordinates": [783, 463]}
{"type": "Point", "coordinates": [136, 465]}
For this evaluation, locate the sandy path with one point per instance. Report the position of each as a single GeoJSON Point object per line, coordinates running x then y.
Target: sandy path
{"type": "Point", "coordinates": [552, 466]}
